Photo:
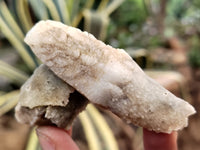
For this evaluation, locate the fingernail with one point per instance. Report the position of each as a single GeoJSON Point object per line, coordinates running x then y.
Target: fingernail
{"type": "Point", "coordinates": [45, 141]}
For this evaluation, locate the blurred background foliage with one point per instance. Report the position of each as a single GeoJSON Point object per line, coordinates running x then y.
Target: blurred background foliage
{"type": "Point", "coordinates": [138, 26]}
{"type": "Point", "coordinates": [148, 23]}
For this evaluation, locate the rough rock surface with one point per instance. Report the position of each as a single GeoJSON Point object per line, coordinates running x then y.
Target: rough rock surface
{"type": "Point", "coordinates": [108, 77]}
{"type": "Point", "coordinates": [46, 99]}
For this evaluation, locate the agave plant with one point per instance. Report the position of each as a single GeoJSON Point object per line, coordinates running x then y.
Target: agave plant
{"type": "Point", "coordinates": [17, 18]}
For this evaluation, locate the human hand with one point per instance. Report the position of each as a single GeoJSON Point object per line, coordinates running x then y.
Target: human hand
{"type": "Point", "coordinates": [52, 138]}
{"type": "Point", "coordinates": [159, 141]}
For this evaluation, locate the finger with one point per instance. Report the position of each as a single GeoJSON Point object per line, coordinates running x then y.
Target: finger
{"type": "Point", "coordinates": [159, 141]}
{"type": "Point", "coordinates": [52, 138]}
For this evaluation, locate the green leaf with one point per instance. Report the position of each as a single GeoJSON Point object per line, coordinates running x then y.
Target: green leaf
{"type": "Point", "coordinates": [96, 23]}
{"type": "Point", "coordinates": [63, 12]}
{"type": "Point", "coordinates": [39, 9]}
{"type": "Point", "coordinates": [79, 15]}
{"type": "Point", "coordinates": [5, 13]}
{"type": "Point", "coordinates": [89, 4]}
{"type": "Point", "coordinates": [12, 73]}
{"type": "Point", "coordinates": [52, 9]}
{"type": "Point", "coordinates": [23, 12]}
{"type": "Point", "coordinates": [8, 101]}
{"type": "Point", "coordinates": [69, 5]}
{"type": "Point", "coordinates": [17, 43]}
{"type": "Point", "coordinates": [113, 6]}
{"type": "Point", "coordinates": [33, 143]}
{"type": "Point", "coordinates": [90, 133]}
{"type": "Point", "coordinates": [102, 5]}
{"type": "Point", "coordinates": [103, 128]}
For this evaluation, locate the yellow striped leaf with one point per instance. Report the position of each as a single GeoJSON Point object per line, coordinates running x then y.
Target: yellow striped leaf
{"type": "Point", "coordinates": [52, 9]}
{"type": "Point", "coordinates": [90, 133]}
{"type": "Point", "coordinates": [33, 143]}
{"type": "Point", "coordinates": [23, 12]}
{"type": "Point", "coordinates": [12, 73]}
{"type": "Point", "coordinates": [8, 101]}
{"type": "Point", "coordinates": [103, 128]}
{"type": "Point", "coordinates": [9, 18]}
{"type": "Point", "coordinates": [15, 41]}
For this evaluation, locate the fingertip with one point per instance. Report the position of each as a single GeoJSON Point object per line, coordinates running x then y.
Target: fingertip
{"type": "Point", "coordinates": [52, 138]}
{"type": "Point", "coordinates": [158, 141]}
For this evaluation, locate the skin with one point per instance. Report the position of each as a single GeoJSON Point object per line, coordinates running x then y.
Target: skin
{"type": "Point", "coordinates": [53, 138]}
{"type": "Point", "coordinates": [159, 141]}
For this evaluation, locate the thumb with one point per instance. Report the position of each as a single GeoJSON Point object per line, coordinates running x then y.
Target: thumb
{"type": "Point", "coordinates": [52, 138]}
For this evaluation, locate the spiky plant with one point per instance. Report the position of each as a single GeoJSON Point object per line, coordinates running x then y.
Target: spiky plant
{"type": "Point", "coordinates": [17, 18]}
